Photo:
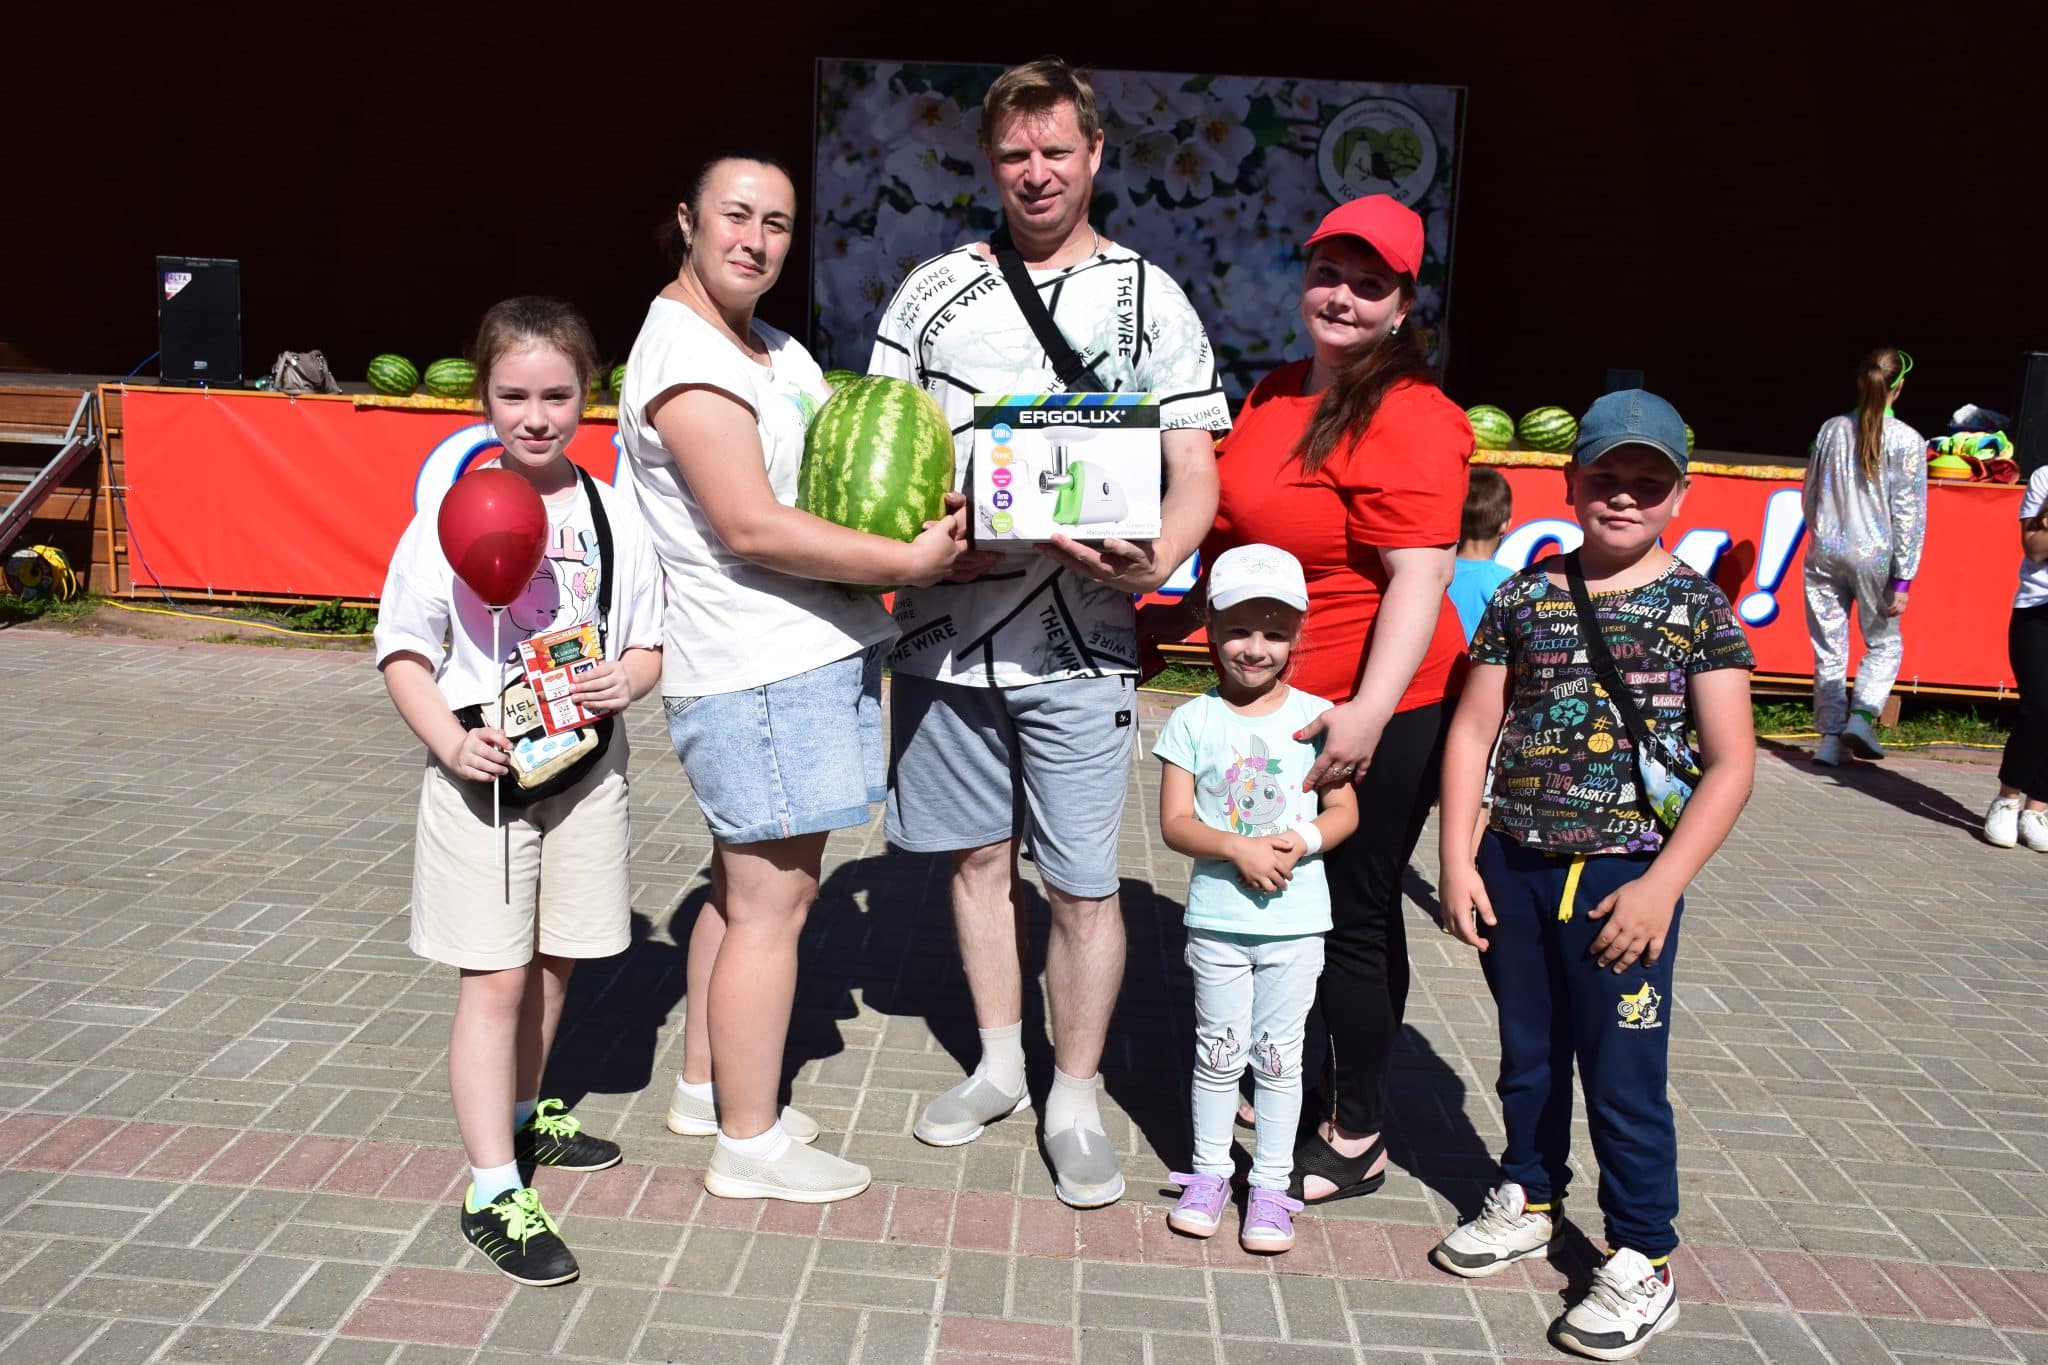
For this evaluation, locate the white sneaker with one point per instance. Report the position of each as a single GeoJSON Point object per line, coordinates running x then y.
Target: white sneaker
{"type": "Point", "coordinates": [1860, 739]}
{"type": "Point", "coordinates": [959, 1116]}
{"type": "Point", "coordinates": [2034, 830]}
{"type": "Point", "coordinates": [2002, 822]}
{"type": "Point", "coordinates": [1829, 753]}
{"type": "Point", "coordinates": [692, 1117]}
{"type": "Point", "coordinates": [803, 1175]}
{"type": "Point", "coordinates": [1505, 1231]}
{"type": "Point", "coordinates": [1630, 1302]}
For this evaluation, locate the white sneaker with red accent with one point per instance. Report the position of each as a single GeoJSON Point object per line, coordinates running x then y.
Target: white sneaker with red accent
{"type": "Point", "coordinates": [1630, 1302]}
{"type": "Point", "coordinates": [1504, 1231]}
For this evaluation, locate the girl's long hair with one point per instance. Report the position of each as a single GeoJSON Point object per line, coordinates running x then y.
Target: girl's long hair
{"type": "Point", "coordinates": [1355, 394]}
{"type": "Point", "coordinates": [1875, 377]}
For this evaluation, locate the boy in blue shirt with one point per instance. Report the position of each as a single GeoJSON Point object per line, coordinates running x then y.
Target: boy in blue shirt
{"type": "Point", "coordinates": [1231, 798]}
{"type": "Point", "coordinates": [1604, 811]}
{"type": "Point", "coordinates": [1489, 508]}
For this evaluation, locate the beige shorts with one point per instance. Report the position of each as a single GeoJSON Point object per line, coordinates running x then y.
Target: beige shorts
{"type": "Point", "coordinates": [571, 894]}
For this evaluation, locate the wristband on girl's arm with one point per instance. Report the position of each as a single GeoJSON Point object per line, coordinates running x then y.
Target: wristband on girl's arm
{"type": "Point", "coordinates": [1902, 585]}
{"type": "Point", "coordinates": [1311, 837]}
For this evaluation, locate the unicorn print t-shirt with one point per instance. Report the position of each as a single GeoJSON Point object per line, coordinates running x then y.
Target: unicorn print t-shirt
{"type": "Point", "coordinates": [1248, 772]}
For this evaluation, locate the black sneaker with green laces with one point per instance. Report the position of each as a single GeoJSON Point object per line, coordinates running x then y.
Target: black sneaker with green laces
{"type": "Point", "coordinates": [553, 1137]}
{"type": "Point", "coordinates": [519, 1237]}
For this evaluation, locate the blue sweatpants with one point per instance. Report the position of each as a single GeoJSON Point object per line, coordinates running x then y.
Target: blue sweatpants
{"type": "Point", "coordinates": [1557, 1004]}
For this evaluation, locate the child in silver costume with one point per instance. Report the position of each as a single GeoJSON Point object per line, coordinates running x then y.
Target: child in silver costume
{"type": "Point", "coordinates": [1866, 517]}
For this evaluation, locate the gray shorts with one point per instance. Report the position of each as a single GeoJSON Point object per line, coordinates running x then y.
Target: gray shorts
{"type": "Point", "coordinates": [1046, 764]}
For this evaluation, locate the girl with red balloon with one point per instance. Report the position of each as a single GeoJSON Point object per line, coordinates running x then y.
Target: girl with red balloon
{"type": "Point", "coordinates": [519, 867]}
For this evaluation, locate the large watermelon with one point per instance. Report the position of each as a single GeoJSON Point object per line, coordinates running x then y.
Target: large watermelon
{"type": "Point", "coordinates": [393, 375]}
{"type": "Point", "coordinates": [1688, 439]}
{"type": "Point", "coordinates": [451, 378]}
{"type": "Point", "coordinates": [879, 458]}
{"type": "Point", "coordinates": [1492, 428]}
{"type": "Point", "coordinates": [836, 380]}
{"type": "Point", "coordinates": [1550, 429]}
{"type": "Point", "coordinates": [618, 384]}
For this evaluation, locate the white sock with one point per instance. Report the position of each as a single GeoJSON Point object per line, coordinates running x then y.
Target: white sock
{"type": "Point", "coordinates": [1071, 1104]}
{"type": "Point", "coordinates": [486, 1183]}
{"type": "Point", "coordinates": [522, 1110]}
{"type": "Point", "coordinates": [1002, 1057]}
{"type": "Point", "coordinates": [696, 1090]}
{"type": "Point", "coordinates": [761, 1147]}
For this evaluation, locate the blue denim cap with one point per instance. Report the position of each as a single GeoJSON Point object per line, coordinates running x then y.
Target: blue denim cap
{"type": "Point", "coordinates": [1631, 417]}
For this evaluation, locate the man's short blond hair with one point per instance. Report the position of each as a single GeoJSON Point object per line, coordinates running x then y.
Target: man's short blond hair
{"type": "Point", "coordinates": [1038, 88]}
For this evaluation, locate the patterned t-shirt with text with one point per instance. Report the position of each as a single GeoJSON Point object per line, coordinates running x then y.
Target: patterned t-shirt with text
{"type": "Point", "coordinates": [1567, 776]}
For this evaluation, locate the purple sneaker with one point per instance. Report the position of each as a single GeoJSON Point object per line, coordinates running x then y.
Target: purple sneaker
{"type": "Point", "coordinates": [1268, 1226]}
{"type": "Point", "coordinates": [1200, 1209]}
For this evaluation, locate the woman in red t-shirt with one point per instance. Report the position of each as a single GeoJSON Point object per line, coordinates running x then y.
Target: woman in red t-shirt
{"type": "Point", "coordinates": [1354, 461]}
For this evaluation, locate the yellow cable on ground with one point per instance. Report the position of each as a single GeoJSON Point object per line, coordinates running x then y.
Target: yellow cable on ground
{"type": "Point", "coordinates": [238, 621]}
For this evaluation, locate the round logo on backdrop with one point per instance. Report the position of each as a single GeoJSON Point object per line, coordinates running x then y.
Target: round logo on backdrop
{"type": "Point", "coordinates": [1377, 146]}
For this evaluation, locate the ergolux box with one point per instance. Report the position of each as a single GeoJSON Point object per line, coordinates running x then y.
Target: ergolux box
{"type": "Point", "coordinates": [1084, 465]}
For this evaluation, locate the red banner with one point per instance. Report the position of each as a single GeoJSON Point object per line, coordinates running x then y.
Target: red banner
{"type": "Point", "coordinates": [1749, 535]}
{"type": "Point", "coordinates": [262, 494]}
{"type": "Point", "coordinates": [1744, 528]}
{"type": "Point", "coordinates": [258, 493]}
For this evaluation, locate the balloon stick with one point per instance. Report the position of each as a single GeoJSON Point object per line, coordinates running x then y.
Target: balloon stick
{"type": "Point", "coordinates": [499, 837]}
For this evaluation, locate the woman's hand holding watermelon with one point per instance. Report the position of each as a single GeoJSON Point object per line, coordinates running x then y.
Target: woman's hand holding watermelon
{"type": "Point", "coordinates": [938, 547]}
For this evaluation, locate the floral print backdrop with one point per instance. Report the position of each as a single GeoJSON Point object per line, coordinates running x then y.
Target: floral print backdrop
{"type": "Point", "coordinates": [1216, 179]}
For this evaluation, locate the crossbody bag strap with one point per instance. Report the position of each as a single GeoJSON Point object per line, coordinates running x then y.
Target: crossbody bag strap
{"type": "Point", "coordinates": [1602, 661]}
{"type": "Point", "coordinates": [1066, 362]}
{"type": "Point", "coordinates": [607, 565]}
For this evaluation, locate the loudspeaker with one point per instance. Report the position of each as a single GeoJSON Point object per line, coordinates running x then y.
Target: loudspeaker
{"type": "Point", "coordinates": [199, 321]}
{"type": "Point", "coordinates": [2030, 414]}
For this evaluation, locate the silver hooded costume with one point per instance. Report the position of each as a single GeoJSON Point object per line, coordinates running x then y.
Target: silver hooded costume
{"type": "Point", "coordinates": [1860, 536]}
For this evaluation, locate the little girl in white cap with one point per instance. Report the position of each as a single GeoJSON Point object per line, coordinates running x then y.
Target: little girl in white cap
{"type": "Point", "coordinates": [1232, 796]}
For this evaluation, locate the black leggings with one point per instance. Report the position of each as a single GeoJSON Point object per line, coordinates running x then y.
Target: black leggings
{"type": "Point", "coordinates": [2025, 765]}
{"type": "Point", "coordinates": [1364, 988]}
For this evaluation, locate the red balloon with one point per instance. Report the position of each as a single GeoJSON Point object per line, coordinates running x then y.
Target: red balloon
{"type": "Point", "coordinates": [494, 530]}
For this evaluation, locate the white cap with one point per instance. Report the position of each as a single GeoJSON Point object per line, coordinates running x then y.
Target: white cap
{"type": "Point", "coordinates": [1248, 571]}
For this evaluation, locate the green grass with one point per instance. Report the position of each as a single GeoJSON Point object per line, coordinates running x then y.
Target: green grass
{"type": "Point", "coordinates": [15, 609]}
{"type": "Point", "coordinates": [333, 618]}
{"type": "Point", "coordinates": [1186, 679]}
{"type": "Point", "coordinates": [1919, 722]}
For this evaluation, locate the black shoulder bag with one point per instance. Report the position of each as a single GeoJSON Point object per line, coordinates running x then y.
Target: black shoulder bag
{"type": "Point", "coordinates": [518, 710]}
{"type": "Point", "coordinates": [1066, 362]}
{"type": "Point", "coordinates": [1664, 778]}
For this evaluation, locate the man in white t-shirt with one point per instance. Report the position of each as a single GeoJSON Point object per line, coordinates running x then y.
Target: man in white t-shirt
{"type": "Point", "coordinates": [1013, 707]}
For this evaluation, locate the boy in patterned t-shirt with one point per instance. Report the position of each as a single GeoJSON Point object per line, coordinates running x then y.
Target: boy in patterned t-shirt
{"type": "Point", "coordinates": [1574, 893]}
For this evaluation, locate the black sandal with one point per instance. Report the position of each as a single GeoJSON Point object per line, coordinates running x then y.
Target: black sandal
{"type": "Point", "coordinates": [1315, 1156]}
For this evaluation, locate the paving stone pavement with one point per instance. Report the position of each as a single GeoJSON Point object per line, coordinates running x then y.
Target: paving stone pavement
{"type": "Point", "coordinates": [224, 1132]}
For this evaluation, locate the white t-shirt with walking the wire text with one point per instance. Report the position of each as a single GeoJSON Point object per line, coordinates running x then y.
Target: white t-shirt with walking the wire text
{"type": "Point", "coordinates": [954, 329]}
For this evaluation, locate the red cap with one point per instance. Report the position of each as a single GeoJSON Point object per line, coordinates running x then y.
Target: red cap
{"type": "Point", "coordinates": [1383, 223]}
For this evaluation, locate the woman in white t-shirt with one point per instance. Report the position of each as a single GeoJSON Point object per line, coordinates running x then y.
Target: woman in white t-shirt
{"type": "Point", "coordinates": [771, 674]}
{"type": "Point", "coordinates": [2019, 813]}
{"type": "Point", "coordinates": [515, 930]}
